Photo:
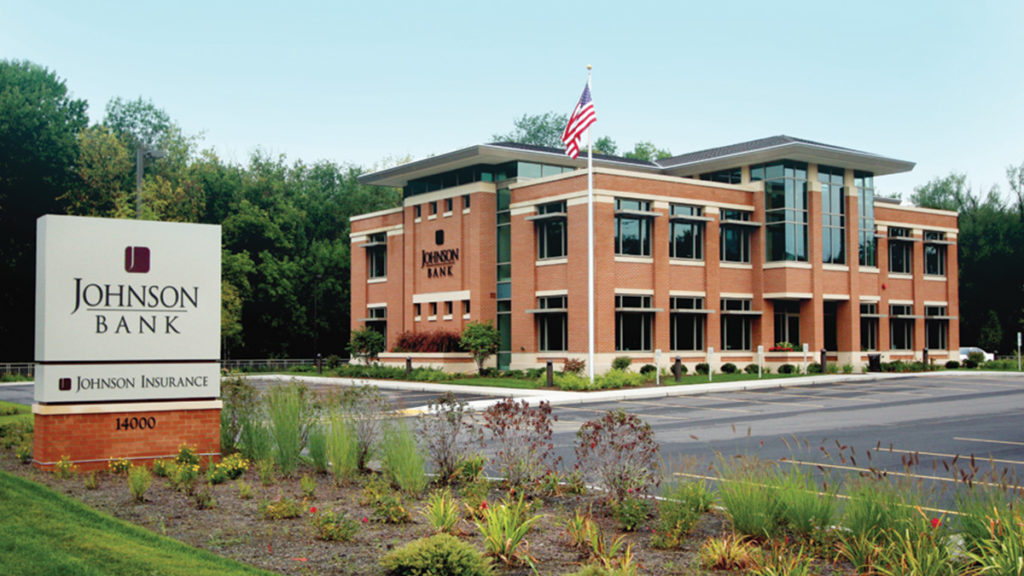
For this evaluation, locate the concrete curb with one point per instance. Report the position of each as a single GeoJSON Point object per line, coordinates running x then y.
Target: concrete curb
{"type": "Point", "coordinates": [557, 397]}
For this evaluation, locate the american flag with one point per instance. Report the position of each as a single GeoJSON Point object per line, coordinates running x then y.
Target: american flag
{"type": "Point", "coordinates": [581, 119]}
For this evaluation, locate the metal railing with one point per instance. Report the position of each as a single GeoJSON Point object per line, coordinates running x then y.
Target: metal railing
{"type": "Point", "coordinates": [247, 365]}
{"type": "Point", "coordinates": [19, 368]}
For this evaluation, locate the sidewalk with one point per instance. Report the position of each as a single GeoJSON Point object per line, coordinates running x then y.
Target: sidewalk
{"type": "Point", "coordinates": [560, 397]}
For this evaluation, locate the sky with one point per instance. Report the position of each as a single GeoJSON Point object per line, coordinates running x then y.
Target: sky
{"type": "Point", "coordinates": [938, 83]}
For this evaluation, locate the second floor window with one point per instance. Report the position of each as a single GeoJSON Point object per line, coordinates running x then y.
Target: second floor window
{"type": "Point", "coordinates": [632, 227]}
{"type": "Point", "coordinates": [900, 251]}
{"type": "Point", "coordinates": [686, 237]}
{"type": "Point", "coordinates": [735, 238]}
{"type": "Point", "coordinates": [550, 225]}
{"type": "Point", "coordinates": [935, 253]}
{"type": "Point", "coordinates": [377, 255]}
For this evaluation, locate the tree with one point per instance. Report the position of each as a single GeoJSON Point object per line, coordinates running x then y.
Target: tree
{"type": "Point", "coordinates": [605, 145]}
{"type": "Point", "coordinates": [39, 125]}
{"type": "Point", "coordinates": [367, 343]}
{"type": "Point", "coordinates": [991, 333]}
{"type": "Point", "coordinates": [481, 339]}
{"type": "Point", "coordinates": [104, 168]}
{"type": "Point", "coordinates": [647, 151]}
{"type": "Point", "coordinates": [139, 122]}
{"type": "Point", "coordinates": [1015, 174]}
{"type": "Point", "coordinates": [537, 130]}
{"type": "Point", "coordinates": [949, 193]}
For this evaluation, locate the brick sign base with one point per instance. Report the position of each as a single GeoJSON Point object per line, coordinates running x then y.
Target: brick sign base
{"type": "Point", "coordinates": [90, 435]}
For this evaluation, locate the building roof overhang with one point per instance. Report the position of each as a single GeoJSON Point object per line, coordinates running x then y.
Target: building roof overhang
{"type": "Point", "coordinates": [498, 153]}
{"type": "Point", "coordinates": [781, 148]}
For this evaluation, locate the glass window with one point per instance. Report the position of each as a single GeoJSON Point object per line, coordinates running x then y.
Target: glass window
{"type": "Point", "coordinates": [377, 255]}
{"type": "Point", "coordinates": [868, 326]}
{"type": "Point", "coordinates": [901, 327]}
{"type": "Point", "coordinates": [833, 215]}
{"type": "Point", "coordinates": [448, 204]}
{"type": "Point", "coordinates": [551, 240]}
{"type": "Point", "coordinates": [686, 238]}
{"type": "Point", "coordinates": [433, 308]}
{"type": "Point", "coordinates": [736, 328]}
{"type": "Point", "coordinates": [417, 309]}
{"type": "Point", "coordinates": [465, 306]}
{"type": "Point", "coordinates": [728, 176]}
{"type": "Point", "coordinates": [378, 320]}
{"type": "Point", "coordinates": [529, 170]}
{"type": "Point", "coordinates": [448, 308]}
{"type": "Point", "coordinates": [900, 251]}
{"type": "Point", "coordinates": [465, 201]}
{"type": "Point", "coordinates": [417, 211]}
{"type": "Point", "coordinates": [632, 323]}
{"type": "Point", "coordinates": [552, 327]}
{"type": "Point", "coordinates": [864, 182]}
{"type": "Point", "coordinates": [632, 231]}
{"type": "Point", "coordinates": [734, 239]}
{"type": "Point", "coordinates": [934, 253]}
{"type": "Point", "coordinates": [785, 196]}
{"type": "Point", "coordinates": [936, 327]}
{"type": "Point", "coordinates": [687, 327]}
{"type": "Point", "coordinates": [787, 322]}
{"type": "Point", "coordinates": [439, 237]}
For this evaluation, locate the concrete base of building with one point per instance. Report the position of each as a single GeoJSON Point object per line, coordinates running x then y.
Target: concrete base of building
{"type": "Point", "coordinates": [90, 435]}
{"type": "Point", "coordinates": [451, 362]}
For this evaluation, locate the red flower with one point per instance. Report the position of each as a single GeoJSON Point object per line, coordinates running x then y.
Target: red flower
{"type": "Point", "coordinates": [365, 519]}
{"type": "Point", "coordinates": [299, 559]}
{"type": "Point", "coordinates": [312, 510]}
{"type": "Point", "coordinates": [936, 522]}
{"type": "Point", "coordinates": [483, 505]}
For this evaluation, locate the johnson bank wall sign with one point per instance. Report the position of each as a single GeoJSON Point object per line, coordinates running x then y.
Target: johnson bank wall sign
{"type": "Point", "coordinates": [126, 310]}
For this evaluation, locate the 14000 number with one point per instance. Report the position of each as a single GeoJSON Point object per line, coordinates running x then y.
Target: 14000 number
{"type": "Point", "coordinates": [135, 423]}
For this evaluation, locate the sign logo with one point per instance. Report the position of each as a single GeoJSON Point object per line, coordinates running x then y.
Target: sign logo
{"type": "Point", "coordinates": [64, 384]}
{"type": "Point", "coordinates": [136, 259]}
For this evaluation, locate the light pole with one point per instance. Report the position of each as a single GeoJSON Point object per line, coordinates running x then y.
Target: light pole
{"type": "Point", "coordinates": [141, 153]}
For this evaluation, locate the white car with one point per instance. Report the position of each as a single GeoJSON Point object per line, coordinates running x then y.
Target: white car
{"type": "Point", "coordinates": [967, 350]}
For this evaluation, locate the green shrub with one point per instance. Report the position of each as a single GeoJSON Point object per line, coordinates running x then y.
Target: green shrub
{"type": "Point", "coordinates": [574, 366]}
{"type": "Point", "coordinates": [389, 508]}
{"type": "Point", "coordinates": [814, 368]}
{"type": "Point", "coordinates": [504, 528]}
{"type": "Point", "coordinates": [615, 379]}
{"type": "Point", "coordinates": [847, 368]}
{"type": "Point", "coordinates": [977, 357]}
{"type": "Point", "coordinates": [833, 368]}
{"type": "Point", "coordinates": [621, 363]}
{"type": "Point", "coordinates": [648, 370]}
{"type": "Point", "coordinates": [187, 455]}
{"type": "Point", "coordinates": [571, 382]}
{"type": "Point", "coordinates": [402, 459]}
{"type": "Point", "coordinates": [968, 363]}
{"type": "Point", "coordinates": [139, 480]}
{"type": "Point", "coordinates": [333, 526]}
{"type": "Point", "coordinates": [163, 468]}
{"type": "Point", "coordinates": [24, 453]}
{"type": "Point", "coordinates": [630, 512]}
{"type": "Point", "coordinates": [787, 369]}
{"type": "Point", "coordinates": [229, 468]}
{"type": "Point", "coordinates": [442, 511]}
{"type": "Point", "coordinates": [118, 466]}
{"type": "Point", "coordinates": [751, 368]}
{"type": "Point", "coordinates": [342, 448]}
{"type": "Point", "coordinates": [287, 414]}
{"type": "Point", "coordinates": [64, 468]}
{"type": "Point", "coordinates": [749, 493]}
{"type": "Point", "coordinates": [316, 446]}
{"type": "Point", "coordinates": [729, 368]}
{"type": "Point", "coordinates": [244, 490]}
{"type": "Point", "coordinates": [952, 365]}
{"type": "Point", "coordinates": [279, 509]}
{"type": "Point", "coordinates": [681, 506]}
{"type": "Point", "coordinates": [438, 555]}
{"type": "Point", "coordinates": [240, 399]}
{"type": "Point", "coordinates": [807, 509]}
{"type": "Point", "coordinates": [702, 368]}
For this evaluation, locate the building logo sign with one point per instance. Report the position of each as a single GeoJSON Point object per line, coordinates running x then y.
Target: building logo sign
{"type": "Point", "coordinates": [439, 262]}
{"type": "Point", "coordinates": [145, 327]}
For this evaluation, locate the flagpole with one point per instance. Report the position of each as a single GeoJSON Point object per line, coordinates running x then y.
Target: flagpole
{"type": "Point", "coordinates": [590, 247]}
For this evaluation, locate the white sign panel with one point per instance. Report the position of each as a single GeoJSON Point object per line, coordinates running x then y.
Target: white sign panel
{"type": "Point", "coordinates": [76, 383]}
{"type": "Point", "coordinates": [126, 291]}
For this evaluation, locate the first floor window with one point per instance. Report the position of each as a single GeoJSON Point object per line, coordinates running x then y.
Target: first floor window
{"type": "Point", "coordinates": [868, 326]}
{"type": "Point", "coordinates": [901, 327]}
{"type": "Point", "coordinates": [378, 320]}
{"type": "Point", "coordinates": [687, 324]}
{"type": "Point", "coordinates": [633, 322]}
{"type": "Point", "coordinates": [787, 322]}
{"type": "Point", "coordinates": [936, 327]}
{"type": "Point", "coordinates": [736, 324]}
{"type": "Point", "coordinates": [552, 324]}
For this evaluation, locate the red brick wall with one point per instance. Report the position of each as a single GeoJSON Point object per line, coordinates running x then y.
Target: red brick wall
{"type": "Point", "coordinates": [91, 440]}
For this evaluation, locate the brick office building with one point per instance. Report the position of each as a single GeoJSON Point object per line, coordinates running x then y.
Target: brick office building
{"type": "Point", "coordinates": [754, 244]}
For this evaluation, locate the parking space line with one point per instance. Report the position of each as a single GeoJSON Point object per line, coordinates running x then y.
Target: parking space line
{"type": "Point", "coordinates": [821, 396]}
{"type": "Point", "coordinates": [941, 455]}
{"type": "Point", "coordinates": [988, 441]}
{"type": "Point", "coordinates": [887, 472]}
{"type": "Point", "coordinates": [771, 402]}
{"type": "Point", "coordinates": [740, 410]}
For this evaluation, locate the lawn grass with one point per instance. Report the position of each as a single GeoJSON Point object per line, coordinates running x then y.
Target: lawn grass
{"type": "Point", "coordinates": [43, 532]}
{"type": "Point", "coordinates": [15, 415]}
